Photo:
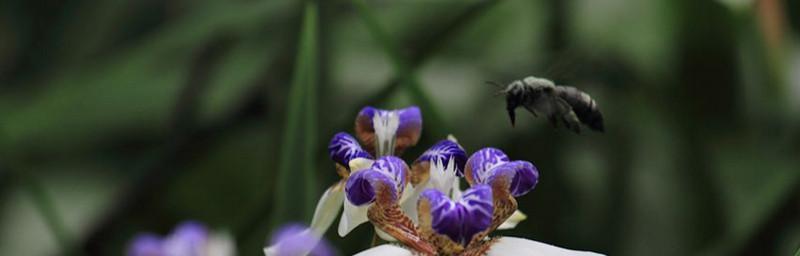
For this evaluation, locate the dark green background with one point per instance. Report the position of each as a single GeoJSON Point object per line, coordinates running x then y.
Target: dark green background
{"type": "Point", "coordinates": [123, 116]}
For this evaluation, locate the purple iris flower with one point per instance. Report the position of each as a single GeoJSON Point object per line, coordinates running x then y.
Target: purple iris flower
{"type": "Point", "coordinates": [387, 173]}
{"type": "Point", "coordinates": [491, 165]}
{"type": "Point", "coordinates": [296, 240]}
{"type": "Point", "coordinates": [189, 238]}
{"type": "Point", "coordinates": [146, 244]}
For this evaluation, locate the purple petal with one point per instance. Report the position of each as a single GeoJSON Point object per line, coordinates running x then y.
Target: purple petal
{"type": "Point", "coordinates": [344, 147]}
{"type": "Point", "coordinates": [362, 185]}
{"type": "Point", "coordinates": [404, 135]}
{"type": "Point", "coordinates": [190, 231]}
{"type": "Point", "coordinates": [410, 127]}
{"type": "Point", "coordinates": [145, 245]}
{"type": "Point", "coordinates": [294, 239]}
{"type": "Point", "coordinates": [395, 168]}
{"type": "Point", "coordinates": [461, 220]}
{"type": "Point", "coordinates": [189, 239]}
{"type": "Point", "coordinates": [444, 151]}
{"type": "Point", "coordinates": [365, 129]}
{"type": "Point", "coordinates": [523, 176]}
{"type": "Point", "coordinates": [481, 162]}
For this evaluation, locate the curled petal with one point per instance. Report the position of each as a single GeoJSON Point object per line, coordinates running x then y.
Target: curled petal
{"type": "Point", "coordinates": [519, 246]}
{"type": "Point", "coordinates": [410, 128]}
{"type": "Point", "coordinates": [295, 239]}
{"type": "Point", "coordinates": [343, 148]}
{"type": "Point", "coordinates": [394, 168]}
{"type": "Point", "coordinates": [512, 221]}
{"type": "Point", "coordinates": [480, 163]}
{"type": "Point", "coordinates": [522, 175]}
{"type": "Point", "coordinates": [387, 215]}
{"type": "Point", "coordinates": [145, 245]}
{"type": "Point", "coordinates": [386, 176]}
{"type": "Point", "coordinates": [388, 131]}
{"type": "Point", "coordinates": [460, 220]}
{"type": "Point", "coordinates": [365, 129]}
{"type": "Point", "coordinates": [360, 188]}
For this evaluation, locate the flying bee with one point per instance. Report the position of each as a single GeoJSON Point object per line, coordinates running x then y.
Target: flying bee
{"type": "Point", "coordinates": [561, 104]}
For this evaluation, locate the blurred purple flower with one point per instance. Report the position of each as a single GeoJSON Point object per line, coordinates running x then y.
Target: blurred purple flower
{"type": "Point", "coordinates": [297, 240]}
{"type": "Point", "coordinates": [189, 238]}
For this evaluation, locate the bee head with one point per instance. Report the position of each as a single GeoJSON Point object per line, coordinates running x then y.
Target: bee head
{"type": "Point", "coordinates": [515, 97]}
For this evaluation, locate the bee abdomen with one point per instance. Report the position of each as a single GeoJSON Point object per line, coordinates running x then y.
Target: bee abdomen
{"type": "Point", "coordinates": [583, 105]}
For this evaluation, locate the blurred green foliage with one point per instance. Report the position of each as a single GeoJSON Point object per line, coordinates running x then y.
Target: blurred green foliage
{"type": "Point", "coordinates": [121, 116]}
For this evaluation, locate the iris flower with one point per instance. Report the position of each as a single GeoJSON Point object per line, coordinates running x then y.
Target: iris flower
{"type": "Point", "coordinates": [461, 226]}
{"type": "Point", "coordinates": [296, 240]}
{"type": "Point", "coordinates": [190, 238]}
{"type": "Point", "coordinates": [421, 207]}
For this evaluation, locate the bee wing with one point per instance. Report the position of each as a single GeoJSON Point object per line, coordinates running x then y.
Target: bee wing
{"type": "Point", "coordinates": [555, 108]}
{"type": "Point", "coordinates": [583, 106]}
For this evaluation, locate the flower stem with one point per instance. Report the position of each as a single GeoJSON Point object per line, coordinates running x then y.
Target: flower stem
{"type": "Point", "coordinates": [298, 146]}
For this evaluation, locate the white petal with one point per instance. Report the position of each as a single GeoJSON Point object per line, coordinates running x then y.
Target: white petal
{"type": "Point", "coordinates": [456, 193]}
{"type": "Point", "coordinates": [513, 220]}
{"type": "Point", "coordinates": [352, 217]}
{"type": "Point", "coordinates": [385, 126]}
{"type": "Point", "coordinates": [384, 236]}
{"type": "Point", "coordinates": [409, 200]}
{"type": "Point", "coordinates": [443, 177]}
{"type": "Point", "coordinates": [520, 246]}
{"type": "Point", "coordinates": [273, 250]}
{"type": "Point", "coordinates": [327, 208]}
{"type": "Point", "coordinates": [270, 251]}
{"type": "Point", "coordinates": [221, 244]}
{"type": "Point", "coordinates": [385, 250]}
{"type": "Point", "coordinates": [359, 164]}
{"type": "Point", "coordinates": [452, 138]}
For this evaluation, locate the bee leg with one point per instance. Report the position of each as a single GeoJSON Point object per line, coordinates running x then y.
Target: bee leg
{"type": "Point", "coordinates": [553, 120]}
{"type": "Point", "coordinates": [512, 116]}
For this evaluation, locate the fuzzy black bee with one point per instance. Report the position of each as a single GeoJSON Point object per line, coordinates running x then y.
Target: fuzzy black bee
{"type": "Point", "coordinates": [561, 104]}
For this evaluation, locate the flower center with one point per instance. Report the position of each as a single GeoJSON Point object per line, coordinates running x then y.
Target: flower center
{"type": "Point", "coordinates": [443, 177]}
{"type": "Point", "coordinates": [385, 124]}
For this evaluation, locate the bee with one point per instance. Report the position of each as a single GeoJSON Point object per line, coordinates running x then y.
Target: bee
{"type": "Point", "coordinates": [561, 104]}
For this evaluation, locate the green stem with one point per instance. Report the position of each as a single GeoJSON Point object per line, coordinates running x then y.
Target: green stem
{"type": "Point", "coordinates": [302, 97]}
{"type": "Point", "coordinates": [310, 137]}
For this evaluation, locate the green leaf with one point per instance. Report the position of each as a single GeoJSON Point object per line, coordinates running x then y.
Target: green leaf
{"type": "Point", "coordinates": [296, 169]}
{"type": "Point", "coordinates": [81, 104]}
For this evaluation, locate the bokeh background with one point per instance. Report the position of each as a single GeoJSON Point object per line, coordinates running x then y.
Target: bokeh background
{"type": "Point", "coordinates": [123, 116]}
